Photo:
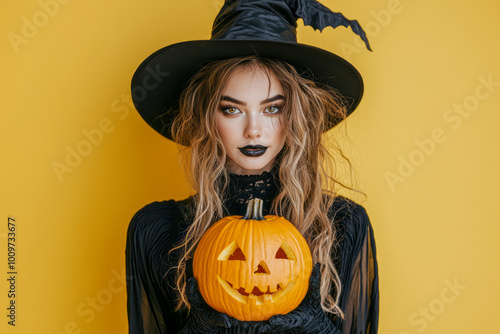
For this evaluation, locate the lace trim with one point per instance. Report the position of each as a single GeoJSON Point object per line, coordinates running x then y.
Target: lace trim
{"type": "Point", "coordinates": [245, 187]}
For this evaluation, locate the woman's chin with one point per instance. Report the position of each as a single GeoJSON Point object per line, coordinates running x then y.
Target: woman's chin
{"type": "Point", "coordinates": [255, 168]}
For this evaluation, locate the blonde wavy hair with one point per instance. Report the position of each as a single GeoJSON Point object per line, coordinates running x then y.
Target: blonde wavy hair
{"type": "Point", "coordinates": [307, 187]}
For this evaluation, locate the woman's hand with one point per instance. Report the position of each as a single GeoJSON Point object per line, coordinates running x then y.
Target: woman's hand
{"type": "Point", "coordinates": [203, 318]}
{"type": "Point", "coordinates": [308, 317]}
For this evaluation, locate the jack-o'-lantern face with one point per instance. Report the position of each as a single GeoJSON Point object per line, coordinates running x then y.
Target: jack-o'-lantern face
{"type": "Point", "coordinates": [271, 292]}
{"type": "Point", "coordinates": [253, 269]}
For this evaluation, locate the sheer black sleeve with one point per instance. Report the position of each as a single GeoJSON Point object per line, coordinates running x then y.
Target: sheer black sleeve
{"type": "Point", "coordinates": [358, 272]}
{"type": "Point", "coordinates": [150, 302]}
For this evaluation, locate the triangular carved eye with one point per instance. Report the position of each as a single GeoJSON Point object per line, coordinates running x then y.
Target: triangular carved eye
{"type": "Point", "coordinates": [232, 252]}
{"type": "Point", "coordinates": [285, 252]}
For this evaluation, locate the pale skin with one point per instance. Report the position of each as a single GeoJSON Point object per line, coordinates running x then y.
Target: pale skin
{"type": "Point", "coordinates": [248, 115]}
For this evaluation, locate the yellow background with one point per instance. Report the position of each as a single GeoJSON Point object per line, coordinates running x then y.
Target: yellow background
{"type": "Point", "coordinates": [436, 225]}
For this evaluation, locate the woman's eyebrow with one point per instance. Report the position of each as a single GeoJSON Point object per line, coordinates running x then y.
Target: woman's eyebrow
{"type": "Point", "coordinates": [271, 99]}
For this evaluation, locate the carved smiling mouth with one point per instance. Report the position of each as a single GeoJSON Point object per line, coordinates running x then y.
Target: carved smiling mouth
{"type": "Point", "coordinates": [242, 296]}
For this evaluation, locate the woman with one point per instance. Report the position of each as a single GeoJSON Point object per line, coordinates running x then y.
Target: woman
{"type": "Point", "coordinates": [251, 128]}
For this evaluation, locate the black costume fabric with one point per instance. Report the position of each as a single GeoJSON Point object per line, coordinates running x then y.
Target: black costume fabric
{"type": "Point", "coordinates": [155, 228]}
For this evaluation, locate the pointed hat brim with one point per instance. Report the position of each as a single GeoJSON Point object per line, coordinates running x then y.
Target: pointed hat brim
{"type": "Point", "coordinates": [159, 80]}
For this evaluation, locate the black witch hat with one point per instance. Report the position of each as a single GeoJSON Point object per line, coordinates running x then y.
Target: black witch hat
{"type": "Point", "coordinates": [266, 28]}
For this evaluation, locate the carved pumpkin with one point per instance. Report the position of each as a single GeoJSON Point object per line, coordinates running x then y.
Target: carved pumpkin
{"type": "Point", "coordinates": [253, 267]}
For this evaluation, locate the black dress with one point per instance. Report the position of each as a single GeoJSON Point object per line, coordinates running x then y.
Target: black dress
{"type": "Point", "coordinates": [156, 227]}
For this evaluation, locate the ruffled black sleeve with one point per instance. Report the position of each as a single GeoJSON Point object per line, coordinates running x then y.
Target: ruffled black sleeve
{"type": "Point", "coordinates": [357, 269]}
{"type": "Point", "coordinates": [152, 232]}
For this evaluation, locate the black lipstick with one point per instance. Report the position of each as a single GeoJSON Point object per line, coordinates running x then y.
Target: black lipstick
{"type": "Point", "coordinates": [253, 150]}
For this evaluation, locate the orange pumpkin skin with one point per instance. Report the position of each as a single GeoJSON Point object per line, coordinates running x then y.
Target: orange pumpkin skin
{"type": "Point", "coordinates": [236, 256]}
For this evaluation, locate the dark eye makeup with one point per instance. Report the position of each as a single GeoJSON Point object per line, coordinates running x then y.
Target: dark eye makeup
{"type": "Point", "coordinates": [224, 109]}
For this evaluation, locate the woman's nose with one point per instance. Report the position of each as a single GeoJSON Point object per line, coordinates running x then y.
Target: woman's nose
{"type": "Point", "coordinates": [253, 126]}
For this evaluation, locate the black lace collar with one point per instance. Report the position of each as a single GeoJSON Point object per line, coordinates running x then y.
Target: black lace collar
{"type": "Point", "coordinates": [245, 187]}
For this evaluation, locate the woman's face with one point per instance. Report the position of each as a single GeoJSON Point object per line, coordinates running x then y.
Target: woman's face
{"type": "Point", "coordinates": [248, 117]}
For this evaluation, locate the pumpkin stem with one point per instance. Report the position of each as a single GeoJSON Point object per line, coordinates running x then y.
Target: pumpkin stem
{"type": "Point", "coordinates": [254, 210]}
